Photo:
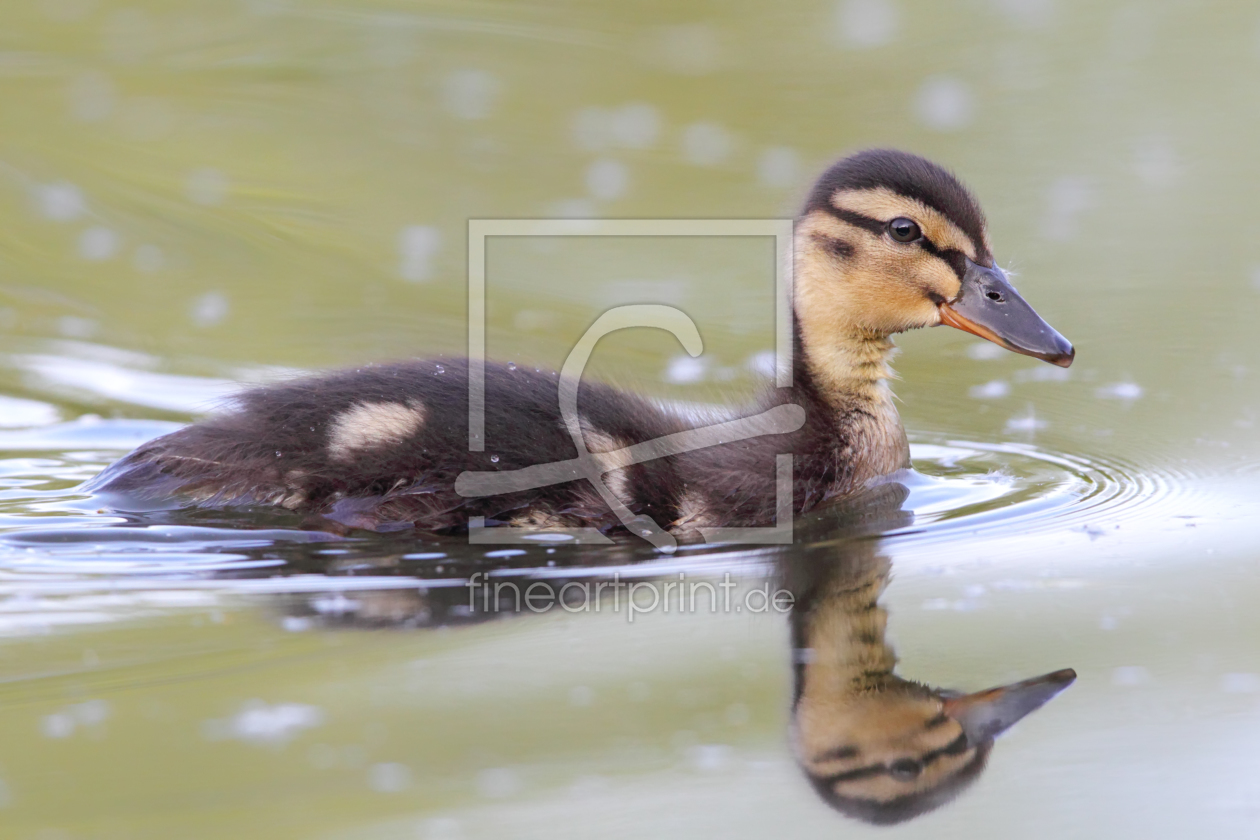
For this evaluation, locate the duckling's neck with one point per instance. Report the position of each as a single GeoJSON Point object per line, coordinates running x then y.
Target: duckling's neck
{"type": "Point", "coordinates": [842, 369]}
{"type": "Point", "coordinates": [843, 637]}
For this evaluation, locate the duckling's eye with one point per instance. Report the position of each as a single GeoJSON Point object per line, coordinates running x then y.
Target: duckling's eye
{"type": "Point", "coordinates": [904, 230]}
{"type": "Point", "coordinates": [905, 769]}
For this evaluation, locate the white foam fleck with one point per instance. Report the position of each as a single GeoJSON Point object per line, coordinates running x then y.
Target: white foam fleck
{"type": "Point", "coordinates": [98, 243]}
{"type": "Point", "coordinates": [1027, 14]}
{"type": "Point", "coordinates": [867, 23]}
{"type": "Point", "coordinates": [990, 390]}
{"type": "Point", "coordinates": [498, 783]}
{"type": "Point", "coordinates": [470, 94]}
{"type": "Point", "coordinates": [1026, 423]}
{"type": "Point", "coordinates": [260, 723]}
{"type": "Point", "coordinates": [779, 167]}
{"type": "Point", "coordinates": [207, 186]}
{"type": "Point", "coordinates": [985, 351]}
{"type": "Point", "coordinates": [73, 326]}
{"type": "Point", "coordinates": [691, 49]}
{"type": "Point", "coordinates": [708, 758]}
{"type": "Point", "coordinates": [148, 258]}
{"type": "Point", "coordinates": [1156, 162]}
{"type": "Point", "coordinates": [334, 604]}
{"type": "Point", "coordinates": [577, 210]}
{"type": "Point", "coordinates": [1130, 676]}
{"type": "Point", "coordinates": [945, 103]}
{"type": "Point", "coordinates": [591, 129]}
{"type": "Point", "coordinates": [1127, 391]}
{"type": "Point", "coordinates": [296, 623]}
{"type": "Point", "coordinates": [685, 370]}
{"type": "Point", "coordinates": [607, 179]}
{"type": "Point", "coordinates": [763, 363]}
{"type": "Point", "coordinates": [417, 246]}
{"type": "Point", "coordinates": [636, 125]}
{"type": "Point", "coordinates": [60, 201]}
{"type": "Point", "coordinates": [1067, 198]}
{"type": "Point", "coordinates": [1240, 683]}
{"type": "Point", "coordinates": [706, 143]}
{"type": "Point", "coordinates": [62, 724]}
{"type": "Point", "coordinates": [92, 96]}
{"type": "Point", "coordinates": [1043, 373]}
{"type": "Point", "coordinates": [389, 777]}
{"type": "Point", "coordinates": [443, 828]}
{"type": "Point", "coordinates": [209, 309]}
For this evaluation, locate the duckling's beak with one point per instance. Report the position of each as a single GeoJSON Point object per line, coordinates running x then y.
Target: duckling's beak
{"type": "Point", "coordinates": [987, 714]}
{"type": "Point", "coordinates": [989, 306]}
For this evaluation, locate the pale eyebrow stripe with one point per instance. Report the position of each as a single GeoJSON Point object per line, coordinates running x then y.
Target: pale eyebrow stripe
{"type": "Point", "coordinates": [884, 205]}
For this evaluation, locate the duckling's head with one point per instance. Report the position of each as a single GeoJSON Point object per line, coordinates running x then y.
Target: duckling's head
{"type": "Point", "coordinates": [889, 241]}
{"type": "Point", "coordinates": [899, 749]}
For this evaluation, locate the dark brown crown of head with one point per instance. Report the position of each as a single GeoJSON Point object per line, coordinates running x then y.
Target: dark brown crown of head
{"type": "Point", "coordinates": [905, 174]}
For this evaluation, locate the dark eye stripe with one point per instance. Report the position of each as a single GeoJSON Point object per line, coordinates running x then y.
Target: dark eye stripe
{"type": "Point", "coordinates": [958, 746]}
{"type": "Point", "coordinates": [838, 247]}
{"type": "Point", "coordinates": [836, 753]}
{"type": "Point", "coordinates": [954, 258]}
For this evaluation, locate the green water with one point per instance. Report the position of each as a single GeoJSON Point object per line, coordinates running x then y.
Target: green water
{"type": "Point", "coordinates": [196, 196]}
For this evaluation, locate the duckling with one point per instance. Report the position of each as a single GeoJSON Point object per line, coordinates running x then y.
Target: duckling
{"type": "Point", "coordinates": [873, 745]}
{"type": "Point", "coordinates": [887, 242]}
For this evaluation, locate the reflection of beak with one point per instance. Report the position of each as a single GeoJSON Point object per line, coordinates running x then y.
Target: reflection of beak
{"type": "Point", "coordinates": [989, 306]}
{"type": "Point", "coordinates": [986, 714]}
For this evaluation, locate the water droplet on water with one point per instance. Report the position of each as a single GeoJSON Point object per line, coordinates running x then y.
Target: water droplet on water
{"type": "Point", "coordinates": [494, 459]}
{"type": "Point", "coordinates": [439, 369]}
{"type": "Point", "coordinates": [511, 365]}
{"type": "Point", "coordinates": [277, 453]}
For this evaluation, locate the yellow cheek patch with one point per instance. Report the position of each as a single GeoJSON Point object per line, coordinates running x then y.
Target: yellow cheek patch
{"type": "Point", "coordinates": [885, 205]}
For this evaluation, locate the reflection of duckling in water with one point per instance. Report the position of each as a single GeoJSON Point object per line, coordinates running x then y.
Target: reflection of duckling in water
{"type": "Point", "coordinates": [876, 746]}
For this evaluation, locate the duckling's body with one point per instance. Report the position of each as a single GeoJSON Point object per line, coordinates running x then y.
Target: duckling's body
{"type": "Point", "coordinates": [381, 447]}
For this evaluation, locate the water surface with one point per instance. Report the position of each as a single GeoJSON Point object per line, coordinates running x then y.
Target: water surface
{"type": "Point", "coordinates": [200, 197]}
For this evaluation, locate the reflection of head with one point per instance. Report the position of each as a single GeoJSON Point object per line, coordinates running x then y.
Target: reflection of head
{"type": "Point", "coordinates": [875, 746]}
{"type": "Point", "coordinates": [888, 753]}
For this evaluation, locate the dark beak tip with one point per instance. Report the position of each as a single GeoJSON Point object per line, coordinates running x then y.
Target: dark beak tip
{"type": "Point", "coordinates": [1064, 677]}
{"type": "Point", "coordinates": [1064, 360]}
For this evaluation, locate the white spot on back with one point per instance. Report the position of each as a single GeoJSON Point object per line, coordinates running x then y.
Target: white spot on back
{"type": "Point", "coordinates": [693, 513]}
{"type": "Point", "coordinates": [371, 425]}
{"type": "Point", "coordinates": [612, 458]}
